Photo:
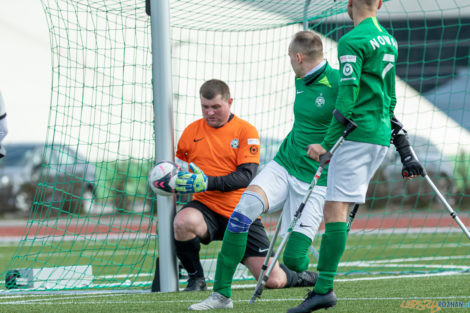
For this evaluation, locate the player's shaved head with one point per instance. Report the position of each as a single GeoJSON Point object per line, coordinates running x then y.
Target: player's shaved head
{"type": "Point", "coordinates": [367, 4]}
{"type": "Point", "coordinates": [214, 87]}
{"type": "Point", "coordinates": [361, 9]}
{"type": "Point", "coordinates": [309, 44]}
{"type": "Point", "coordinates": [370, 3]}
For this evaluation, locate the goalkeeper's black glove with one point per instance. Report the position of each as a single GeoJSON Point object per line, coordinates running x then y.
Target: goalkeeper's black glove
{"type": "Point", "coordinates": [411, 166]}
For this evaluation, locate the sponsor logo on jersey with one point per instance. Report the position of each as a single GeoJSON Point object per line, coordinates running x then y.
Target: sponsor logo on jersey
{"type": "Point", "coordinates": [299, 92]}
{"type": "Point", "coordinates": [253, 141]}
{"type": "Point", "coordinates": [320, 101]}
{"type": "Point", "coordinates": [254, 149]}
{"type": "Point", "coordinates": [347, 69]}
{"type": "Point", "coordinates": [199, 139]}
{"type": "Point", "coordinates": [347, 58]}
{"type": "Point", "coordinates": [347, 78]}
{"type": "Point", "coordinates": [234, 143]}
{"type": "Point", "coordinates": [389, 58]}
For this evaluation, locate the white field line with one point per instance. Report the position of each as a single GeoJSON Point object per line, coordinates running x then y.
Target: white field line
{"type": "Point", "coordinates": [430, 258]}
{"type": "Point", "coordinates": [445, 273]}
{"type": "Point", "coordinates": [414, 230]}
{"type": "Point", "coordinates": [428, 246]}
{"type": "Point", "coordinates": [75, 295]}
{"type": "Point", "coordinates": [371, 263]}
{"type": "Point", "coordinates": [365, 264]}
{"type": "Point", "coordinates": [60, 300]}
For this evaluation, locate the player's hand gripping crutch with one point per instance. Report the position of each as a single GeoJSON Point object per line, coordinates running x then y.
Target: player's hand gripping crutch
{"type": "Point", "coordinates": [324, 160]}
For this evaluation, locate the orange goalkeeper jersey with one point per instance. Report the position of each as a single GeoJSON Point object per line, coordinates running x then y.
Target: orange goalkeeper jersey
{"type": "Point", "coordinates": [218, 152]}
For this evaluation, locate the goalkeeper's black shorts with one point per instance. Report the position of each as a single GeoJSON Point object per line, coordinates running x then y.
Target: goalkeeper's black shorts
{"type": "Point", "coordinates": [257, 243]}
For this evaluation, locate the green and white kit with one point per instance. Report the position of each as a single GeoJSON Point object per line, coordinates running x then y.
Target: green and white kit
{"type": "Point", "coordinates": [367, 57]}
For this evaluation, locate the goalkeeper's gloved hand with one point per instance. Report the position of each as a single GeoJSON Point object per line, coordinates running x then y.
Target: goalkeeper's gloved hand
{"type": "Point", "coordinates": [191, 182]}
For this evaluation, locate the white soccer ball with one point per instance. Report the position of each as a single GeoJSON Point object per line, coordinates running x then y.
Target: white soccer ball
{"type": "Point", "coordinates": [162, 178]}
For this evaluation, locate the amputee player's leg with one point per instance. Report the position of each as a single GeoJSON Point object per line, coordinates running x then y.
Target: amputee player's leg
{"type": "Point", "coordinates": [296, 252]}
{"type": "Point", "coordinates": [251, 205]}
{"type": "Point", "coordinates": [255, 254]}
{"type": "Point", "coordinates": [281, 276]}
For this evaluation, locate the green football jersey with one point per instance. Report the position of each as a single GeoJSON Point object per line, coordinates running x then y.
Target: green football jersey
{"type": "Point", "coordinates": [314, 103]}
{"type": "Point", "coordinates": [367, 57]}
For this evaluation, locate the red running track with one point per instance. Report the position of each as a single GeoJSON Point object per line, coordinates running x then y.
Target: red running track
{"type": "Point", "coordinates": [19, 229]}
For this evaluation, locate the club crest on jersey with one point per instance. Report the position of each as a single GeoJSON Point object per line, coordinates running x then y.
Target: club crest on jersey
{"type": "Point", "coordinates": [234, 144]}
{"type": "Point", "coordinates": [347, 69]}
{"type": "Point", "coordinates": [320, 101]}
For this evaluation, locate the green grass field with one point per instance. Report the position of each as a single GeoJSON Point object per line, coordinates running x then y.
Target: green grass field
{"type": "Point", "coordinates": [380, 272]}
{"type": "Point", "coordinates": [381, 295]}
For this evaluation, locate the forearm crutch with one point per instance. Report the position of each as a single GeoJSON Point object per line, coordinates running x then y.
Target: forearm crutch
{"type": "Point", "coordinates": [352, 215]}
{"type": "Point", "coordinates": [441, 197]}
{"type": "Point", "coordinates": [324, 160]}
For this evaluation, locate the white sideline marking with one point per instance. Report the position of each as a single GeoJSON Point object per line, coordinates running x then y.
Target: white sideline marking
{"type": "Point", "coordinates": [452, 273]}
{"type": "Point", "coordinates": [32, 302]}
{"type": "Point", "coordinates": [430, 258]}
{"type": "Point", "coordinates": [365, 264]}
{"type": "Point", "coordinates": [415, 230]}
{"type": "Point", "coordinates": [77, 293]}
{"type": "Point", "coordinates": [428, 246]}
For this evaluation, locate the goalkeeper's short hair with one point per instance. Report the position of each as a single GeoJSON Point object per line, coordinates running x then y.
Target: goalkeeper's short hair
{"type": "Point", "coordinates": [211, 88]}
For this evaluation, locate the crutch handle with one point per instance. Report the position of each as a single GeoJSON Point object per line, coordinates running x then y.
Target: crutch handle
{"type": "Point", "coordinates": [325, 159]}
{"type": "Point", "coordinates": [346, 122]}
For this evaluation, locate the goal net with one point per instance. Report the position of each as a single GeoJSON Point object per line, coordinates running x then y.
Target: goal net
{"type": "Point", "coordinates": [93, 220]}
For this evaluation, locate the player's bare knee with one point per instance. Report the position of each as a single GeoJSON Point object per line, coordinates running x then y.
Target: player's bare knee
{"type": "Point", "coordinates": [276, 280]}
{"type": "Point", "coordinates": [183, 225]}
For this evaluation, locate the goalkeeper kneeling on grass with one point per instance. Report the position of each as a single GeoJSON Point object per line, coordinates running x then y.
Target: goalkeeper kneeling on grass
{"type": "Point", "coordinates": [284, 182]}
{"type": "Point", "coordinates": [226, 151]}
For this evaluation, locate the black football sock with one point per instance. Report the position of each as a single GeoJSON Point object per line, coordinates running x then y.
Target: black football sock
{"type": "Point", "coordinates": [290, 275]}
{"type": "Point", "coordinates": [188, 253]}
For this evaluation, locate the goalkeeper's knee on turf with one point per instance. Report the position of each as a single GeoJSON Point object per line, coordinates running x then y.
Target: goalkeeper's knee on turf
{"type": "Point", "coordinates": [251, 206]}
{"type": "Point", "coordinates": [295, 255]}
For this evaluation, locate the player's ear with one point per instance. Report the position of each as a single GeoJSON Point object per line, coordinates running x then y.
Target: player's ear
{"type": "Point", "coordinates": [230, 102]}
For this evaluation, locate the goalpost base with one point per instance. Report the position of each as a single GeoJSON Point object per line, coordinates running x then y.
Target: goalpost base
{"type": "Point", "coordinates": [62, 277]}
